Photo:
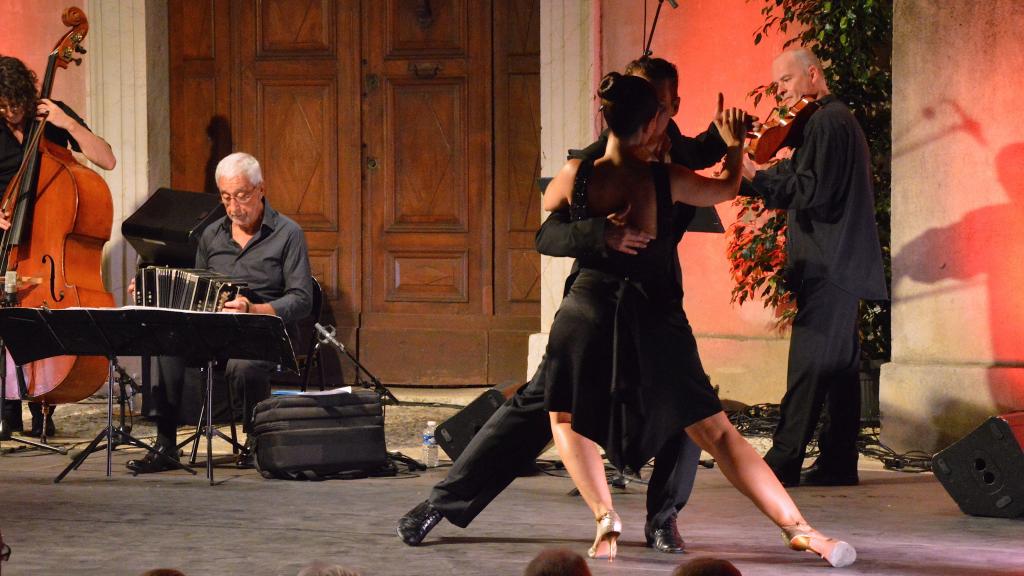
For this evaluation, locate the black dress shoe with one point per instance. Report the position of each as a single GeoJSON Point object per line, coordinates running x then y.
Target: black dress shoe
{"type": "Point", "coordinates": [37, 427]}
{"type": "Point", "coordinates": [788, 480]}
{"type": "Point", "coordinates": [247, 459]}
{"type": "Point", "coordinates": [12, 417]}
{"type": "Point", "coordinates": [418, 522]}
{"type": "Point", "coordinates": [37, 420]}
{"type": "Point", "coordinates": [818, 476]}
{"type": "Point", "coordinates": [151, 462]}
{"type": "Point", "coordinates": [665, 538]}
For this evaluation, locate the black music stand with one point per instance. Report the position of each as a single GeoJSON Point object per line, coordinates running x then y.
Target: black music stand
{"type": "Point", "coordinates": [34, 334]}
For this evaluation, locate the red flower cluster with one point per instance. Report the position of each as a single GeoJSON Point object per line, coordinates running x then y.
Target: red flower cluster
{"type": "Point", "coordinates": [757, 257]}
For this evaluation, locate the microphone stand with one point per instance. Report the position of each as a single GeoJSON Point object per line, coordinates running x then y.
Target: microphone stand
{"type": "Point", "coordinates": [326, 335]}
{"type": "Point", "coordinates": [10, 300]}
{"type": "Point", "coordinates": [657, 12]}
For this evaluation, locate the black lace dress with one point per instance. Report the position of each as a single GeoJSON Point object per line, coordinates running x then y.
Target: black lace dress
{"type": "Point", "coordinates": [621, 356]}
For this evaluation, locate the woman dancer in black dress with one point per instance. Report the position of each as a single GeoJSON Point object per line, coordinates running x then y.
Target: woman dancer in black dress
{"type": "Point", "coordinates": [624, 317]}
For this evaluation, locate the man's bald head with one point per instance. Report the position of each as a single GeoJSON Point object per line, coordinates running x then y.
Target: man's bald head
{"type": "Point", "coordinates": [798, 73]}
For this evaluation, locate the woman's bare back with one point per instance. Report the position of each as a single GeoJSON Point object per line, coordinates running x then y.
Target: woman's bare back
{"type": "Point", "coordinates": [625, 193]}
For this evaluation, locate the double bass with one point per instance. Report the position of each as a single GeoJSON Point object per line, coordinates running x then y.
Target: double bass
{"type": "Point", "coordinates": [61, 216]}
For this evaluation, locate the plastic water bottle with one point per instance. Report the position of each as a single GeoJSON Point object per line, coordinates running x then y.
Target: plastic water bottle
{"type": "Point", "coordinates": [430, 445]}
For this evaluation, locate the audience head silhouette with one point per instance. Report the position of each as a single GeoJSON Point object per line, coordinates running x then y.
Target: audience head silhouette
{"type": "Point", "coordinates": [706, 567]}
{"type": "Point", "coordinates": [557, 562]}
{"type": "Point", "coordinates": [320, 568]}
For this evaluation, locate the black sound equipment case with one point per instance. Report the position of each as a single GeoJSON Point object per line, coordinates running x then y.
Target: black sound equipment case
{"type": "Point", "coordinates": [321, 435]}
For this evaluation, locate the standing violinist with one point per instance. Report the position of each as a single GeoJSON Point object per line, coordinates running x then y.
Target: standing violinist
{"type": "Point", "coordinates": [19, 95]}
{"type": "Point", "coordinates": [833, 259]}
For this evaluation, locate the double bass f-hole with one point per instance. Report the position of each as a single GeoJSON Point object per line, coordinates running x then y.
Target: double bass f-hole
{"type": "Point", "coordinates": [47, 259]}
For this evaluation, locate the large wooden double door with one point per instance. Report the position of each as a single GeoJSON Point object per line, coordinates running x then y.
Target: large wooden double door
{"type": "Point", "coordinates": [404, 137]}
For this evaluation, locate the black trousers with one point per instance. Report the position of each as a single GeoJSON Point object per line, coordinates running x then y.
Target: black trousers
{"type": "Point", "coordinates": [823, 373]}
{"type": "Point", "coordinates": [513, 438]}
{"type": "Point", "coordinates": [249, 381]}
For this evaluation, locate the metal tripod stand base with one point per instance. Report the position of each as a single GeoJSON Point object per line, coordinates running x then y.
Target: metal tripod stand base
{"type": "Point", "coordinates": [34, 444]}
{"type": "Point", "coordinates": [114, 436]}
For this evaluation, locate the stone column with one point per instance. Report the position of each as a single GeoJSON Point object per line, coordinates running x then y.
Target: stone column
{"type": "Point", "coordinates": [127, 104]}
{"type": "Point", "coordinates": [569, 51]}
{"type": "Point", "coordinates": [957, 216]}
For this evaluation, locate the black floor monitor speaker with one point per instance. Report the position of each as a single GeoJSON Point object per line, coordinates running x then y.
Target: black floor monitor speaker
{"type": "Point", "coordinates": [165, 230]}
{"type": "Point", "coordinates": [454, 434]}
{"type": "Point", "coordinates": [984, 471]}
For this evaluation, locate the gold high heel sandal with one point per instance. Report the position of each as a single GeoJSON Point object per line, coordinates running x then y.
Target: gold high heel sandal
{"type": "Point", "coordinates": [609, 526]}
{"type": "Point", "coordinates": [802, 537]}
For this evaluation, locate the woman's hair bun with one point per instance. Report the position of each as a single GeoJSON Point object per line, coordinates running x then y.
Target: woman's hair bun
{"type": "Point", "coordinates": [608, 88]}
{"type": "Point", "coordinates": [627, 102]}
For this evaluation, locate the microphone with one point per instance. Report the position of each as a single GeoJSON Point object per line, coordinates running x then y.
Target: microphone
{"type": "Point", "coordinates": [11, 286]}
{"type": "Point", "coordinates": [327, 336]}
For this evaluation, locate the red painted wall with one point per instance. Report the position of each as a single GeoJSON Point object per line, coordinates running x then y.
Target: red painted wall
{"type": "Point", "coordinates": [711, 43]}
{"type": "Point", "coordinates": [29, 29]}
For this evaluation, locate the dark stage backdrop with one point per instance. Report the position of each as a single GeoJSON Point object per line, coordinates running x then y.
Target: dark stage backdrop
{"type": "Point", "coordinates": [404, 136]}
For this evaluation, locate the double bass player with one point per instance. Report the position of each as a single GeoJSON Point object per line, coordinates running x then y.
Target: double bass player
{"type": "Point", "coordinates": [18, 96]}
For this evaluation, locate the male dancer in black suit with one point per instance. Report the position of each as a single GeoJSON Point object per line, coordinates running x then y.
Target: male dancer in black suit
{"type": "Point", "coordinates": [833, 260]}
{"type": "Point", "coordinates": [518, 431]}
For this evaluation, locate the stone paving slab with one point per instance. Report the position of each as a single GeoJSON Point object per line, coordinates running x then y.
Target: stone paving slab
{"type": "Point", "coordinates": [90, 524]}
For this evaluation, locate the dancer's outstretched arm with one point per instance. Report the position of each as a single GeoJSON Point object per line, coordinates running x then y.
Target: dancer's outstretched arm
{"type": "Point", "coordinates": [695, 190]}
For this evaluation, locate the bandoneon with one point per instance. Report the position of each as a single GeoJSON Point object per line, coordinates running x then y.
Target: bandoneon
{"type": "Point", "coordinates": [184, 288]}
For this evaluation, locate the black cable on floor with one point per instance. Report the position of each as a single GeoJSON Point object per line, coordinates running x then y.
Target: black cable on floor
{"type": "Point", "coordinates": [760, 421]}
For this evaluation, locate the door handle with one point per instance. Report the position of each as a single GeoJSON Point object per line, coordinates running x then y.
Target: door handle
{"type": "Point", "coordinates": [424, 70]}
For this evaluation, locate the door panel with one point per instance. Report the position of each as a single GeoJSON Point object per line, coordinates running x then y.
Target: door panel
{"type": "Point", "coordinates": [200, 85]}
{"type": "Point", "coordinates": [426, 145]}
{"type": "Point", "coordinates": [297, 102]}
{"type": "Point", "coordinates": [427, 140]}
{"type": "Point", "coordinates": [297, 139]}
{"type": "Point", "coordinates": [403, 136]}
{"type": "Point", "coordinates": [517, 201]}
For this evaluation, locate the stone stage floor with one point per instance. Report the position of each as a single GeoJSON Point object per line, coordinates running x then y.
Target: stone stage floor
{"type": "Point", "coordinates": [902, 524]}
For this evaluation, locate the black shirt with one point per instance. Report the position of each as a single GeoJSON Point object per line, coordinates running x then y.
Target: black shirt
{"type": "Point", "coordinates": [274, 264]}
{"type": "Point", "coordinates": [11, 150]}
{"type": "Point", "coordinates": [826, 189]}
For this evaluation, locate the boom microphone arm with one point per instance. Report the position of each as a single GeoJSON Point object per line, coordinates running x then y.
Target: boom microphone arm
{"type": "Point", "coordinates": [326, 335]}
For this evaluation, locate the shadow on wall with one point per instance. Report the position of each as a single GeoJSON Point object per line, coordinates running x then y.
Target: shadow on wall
{"type": "Point", "coordinates": [218, 132]}
{"type": "Point", "coordinates": [953, 417]}
{"type": "Point", "coordinates": [975, 248]}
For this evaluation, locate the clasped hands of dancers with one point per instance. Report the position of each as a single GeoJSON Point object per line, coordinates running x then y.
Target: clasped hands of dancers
{"type": "Point", "coordinates": [622, 322]}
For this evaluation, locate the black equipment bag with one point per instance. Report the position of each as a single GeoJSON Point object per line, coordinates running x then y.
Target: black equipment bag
{"type": "Point", "coordinates": [318, 436]}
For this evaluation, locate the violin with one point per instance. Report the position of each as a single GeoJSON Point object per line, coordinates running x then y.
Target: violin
{"type": "Point", "coordinates": [786, 129]}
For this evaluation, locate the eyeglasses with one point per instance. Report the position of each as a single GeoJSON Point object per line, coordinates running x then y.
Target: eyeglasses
{"type": "Point", "coordinates": [12, 108]}
{"type": "Point", "coordinates": [240, 197]}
